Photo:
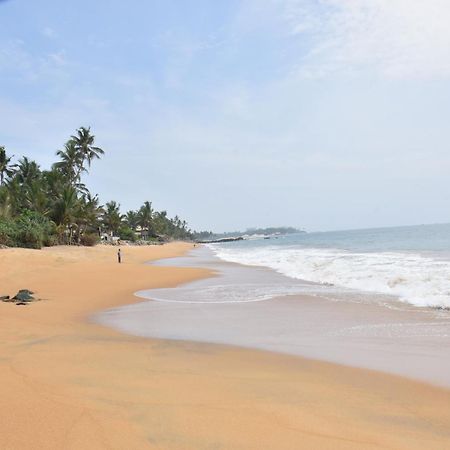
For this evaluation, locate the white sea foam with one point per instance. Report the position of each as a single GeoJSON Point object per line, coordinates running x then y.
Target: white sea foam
{"type": "Point", "coordinates": [413, 278]}
{"type": "Point", "coordinates": [218, 294]}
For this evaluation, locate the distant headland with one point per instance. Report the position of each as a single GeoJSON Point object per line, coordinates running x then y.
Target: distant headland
{"type": "Point", "coordinates": [266, 233]}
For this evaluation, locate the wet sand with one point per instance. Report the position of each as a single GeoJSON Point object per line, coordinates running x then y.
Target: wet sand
{"type": "Point", "coordinates": [68, 383]}
{"type": "Point", "coordinates": [248, 307]}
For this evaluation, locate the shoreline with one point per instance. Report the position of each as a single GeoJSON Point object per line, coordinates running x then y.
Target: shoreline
{"type": "Point", "coordinates": [69, 383]}
{"type": "Point", "coordinates": [257, 308]}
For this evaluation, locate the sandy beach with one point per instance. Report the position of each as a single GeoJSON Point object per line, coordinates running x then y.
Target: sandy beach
{"type": "Point", "coordinates": [68, 383]}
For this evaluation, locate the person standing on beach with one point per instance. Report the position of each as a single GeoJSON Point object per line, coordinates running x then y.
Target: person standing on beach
{"type": "Point", "coordinates": [119, 256]}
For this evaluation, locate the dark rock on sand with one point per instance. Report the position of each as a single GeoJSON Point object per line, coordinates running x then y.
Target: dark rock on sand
{"type": "Point", "coordinates": [26, 291]}
{"type": "Point", "coordinates": [24, 295]}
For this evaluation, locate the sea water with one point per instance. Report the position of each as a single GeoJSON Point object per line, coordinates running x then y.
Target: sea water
{"type": "Point", "coordinates": [411, 264]}
{"type": "Point", "coordinates": [372, 298]}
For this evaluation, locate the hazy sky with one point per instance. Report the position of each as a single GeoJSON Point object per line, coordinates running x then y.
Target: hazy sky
{"type": "Point", "coordinates": [322, 114]}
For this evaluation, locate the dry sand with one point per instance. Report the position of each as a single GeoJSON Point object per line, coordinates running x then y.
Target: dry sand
{"type": "Point", "coordinates": [66, 383]}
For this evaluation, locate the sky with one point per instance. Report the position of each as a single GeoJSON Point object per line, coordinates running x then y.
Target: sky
{"type": "Point", "coordinates": [320, 114]}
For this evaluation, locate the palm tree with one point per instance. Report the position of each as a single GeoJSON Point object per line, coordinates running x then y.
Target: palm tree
{"type": "Point", "coordinates": [36, 198]}
{"type": "Point", "coordinates": [84, 143]}
{"type": "Point", "coordinates": [55, 181]}
{"type": "Point", "coordinates": [71, 163]}
{"type": "Point", "coordinates": [65, 210]}
{"type": "Point", "coordinates": [6, 169]}
{"type": "Point", "coordinates": [6, 205]}
{"type": "Point", "coordinates": [112, 219]}
{"type": "Point", "coordinates": [88, 214]}
{"type": "Point", "coordinates": [132, 219]}
{"type": "Point", "coordinates": [92, 209]}
{"type": "Point", "coordinates": [159, 222]}
{"type": "Point", "coordinates": [27, 170]}
{"type": "Point", "coordinates": [16, 195]}
{"type": "Point", "coordinates": [176, 222]}
{"type": "Point", "coordinates": [45, 198]}
{"type": "Point", "coordinates": [146, 217]}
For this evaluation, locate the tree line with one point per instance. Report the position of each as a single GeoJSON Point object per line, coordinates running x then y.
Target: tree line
{"type": "Point", "coordinates": [49, 207]}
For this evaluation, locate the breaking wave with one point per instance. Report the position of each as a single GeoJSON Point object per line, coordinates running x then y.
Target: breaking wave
{"type": "Point", "coordinates": [413, 278]}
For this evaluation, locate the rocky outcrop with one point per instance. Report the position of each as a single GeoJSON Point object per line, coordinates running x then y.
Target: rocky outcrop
{"type": "Point", "coordinates": [218, 241]}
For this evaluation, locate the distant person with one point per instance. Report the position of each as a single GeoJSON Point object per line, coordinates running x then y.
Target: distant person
{"type": "Point", "coordinates": [119, 256]}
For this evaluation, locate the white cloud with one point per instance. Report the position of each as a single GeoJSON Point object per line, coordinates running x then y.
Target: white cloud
{"type": "Point", "coordinates": [58, 58]}
{"type": "Point", "coordinates": [17, 58]}
{"type": "Point", "coordinates": [13, 56]}
{"type": "Point", "coordinates": [49, 32]}
{"type": "Point", "coordinates": [398, 39]}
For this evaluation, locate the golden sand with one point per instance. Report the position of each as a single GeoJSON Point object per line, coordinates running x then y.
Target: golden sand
{"type": "Point", "coordinates": [67, 383]}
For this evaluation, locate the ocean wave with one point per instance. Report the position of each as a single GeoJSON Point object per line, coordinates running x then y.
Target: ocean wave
{"type": "Point", "coordinates": [413, 278]}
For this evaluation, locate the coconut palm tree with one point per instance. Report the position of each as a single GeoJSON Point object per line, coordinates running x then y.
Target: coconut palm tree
{"type": "Point", "coordinates": [55, 181]}
{"type": "Point", "coordinates": [84, 143]}
{"type": "Point", "coordinates": [36, 197]}
{"type": "Point", "coordinates": [71, 163]}
{"type": "Point", "coordinates": [27, 170]}
{"type": "Point", "coordinates": [146, 217]}
{"type": "Point", "coordinates": [88, 214]}
{"type": "Point", "coordinates": [6, 168]}
{"type": "Point", "coordinates": [65, 210]}
{"type": "Point", "coordinates": [132, 219]}
{"type": "Point", "coordinates": [16, 194]}
{"type": "Point", "coordinates": [161, 222]}
{"type": "Point", "coordinates": [6, 205]}
{"type": "Point", "coordinates": [111, 218]}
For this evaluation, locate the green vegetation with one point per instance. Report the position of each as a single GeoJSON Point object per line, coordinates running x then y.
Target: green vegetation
{"type": "Point", "coordinates": [48, 207]}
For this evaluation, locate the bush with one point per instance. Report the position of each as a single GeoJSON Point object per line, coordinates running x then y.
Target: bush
{"type": "Point", "coordinates": [89, 239]}
{"type": "Point", "coordinates": [127, 234]}
{"type": "Point", "coordinates": [51, 240]}
{"type": "Point", "coordinates": [30, 237]}
{"type": "Point", "coordinates": [8, 232]}
{"type": "Point", "coordinates": [33, 230]}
